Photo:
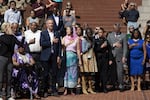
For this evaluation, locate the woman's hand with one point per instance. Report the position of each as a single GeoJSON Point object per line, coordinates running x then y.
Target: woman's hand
{"type": "Point", "coordinates": [110, 62]}
{"type": "Point", "coordinates": [80, 63]}
{"type": "Point", "coordinates": [143, 62]}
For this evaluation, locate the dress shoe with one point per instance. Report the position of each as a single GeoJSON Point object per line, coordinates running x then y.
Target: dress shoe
{"type": "Point", "coordinates": [122, 89]}
{"type": "Point", "coordinates": [105, 90]}
{"type": "Point", "coordinates": [55, 94]}
{"type": "Point", "coordinates": [45, 95]}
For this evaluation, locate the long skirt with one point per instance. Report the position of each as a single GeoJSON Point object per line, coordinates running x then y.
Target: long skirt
{"type": "Point", "coordinates": [71, 76]}
{"type": "Point", "coordinates": [25, 79]}
{"type": "Point", "coordinates": [89, 62]}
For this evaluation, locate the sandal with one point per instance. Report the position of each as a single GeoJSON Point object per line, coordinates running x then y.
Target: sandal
{"type": "Point", "coordinates": [36, 96]}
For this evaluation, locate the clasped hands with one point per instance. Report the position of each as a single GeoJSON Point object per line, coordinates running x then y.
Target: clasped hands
{"type": "Point", "coordinates": [117, 44]}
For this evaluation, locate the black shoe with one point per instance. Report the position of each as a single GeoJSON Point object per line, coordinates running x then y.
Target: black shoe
{"type": "Point", "coordinates": [55, 94]}
{"type": "Point", "coordinates": [45, 95]}
{"type": "Point", "coordinates": [122, 89]}
{"type": "Point", "coordinates": [105, 90]}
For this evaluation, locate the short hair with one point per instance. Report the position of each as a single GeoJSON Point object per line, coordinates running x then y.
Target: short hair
{"type": "Point", "coordinates": [131, 26]}
{"type": "Point", "coordinates": [102, 29]}
{"type": "Point", "coordinates": [33, 22]}
{"type": "Point", "coordinates": [49, 19]}
{"type": "Point", "coordinates": [132, 3]}
{"type": "Point", "coordinates": [118, 25]}
{"type": "Point", "coordinates": [12, 1]}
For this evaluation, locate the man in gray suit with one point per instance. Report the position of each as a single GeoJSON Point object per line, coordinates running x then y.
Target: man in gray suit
{"type": "Point", "coordinates": [118, 42]}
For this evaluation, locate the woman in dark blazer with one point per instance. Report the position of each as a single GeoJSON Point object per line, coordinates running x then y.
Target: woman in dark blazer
{"type": "Point", "coordinates": [103, 57]}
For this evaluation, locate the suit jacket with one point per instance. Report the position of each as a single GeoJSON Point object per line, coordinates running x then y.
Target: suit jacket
{"type": "Point", "coordinates": [47, 47]}
{"type": "Point", "coordinates": [60, 27]}
{"type": "Point", "coordinates": [118, 53]}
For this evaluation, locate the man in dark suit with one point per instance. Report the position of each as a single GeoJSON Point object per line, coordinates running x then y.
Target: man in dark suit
{"type": "Point", "coordinates": [118, 42]}
{"type": "Point", "coordinates": [58, 22]}
{"type": "Point", "coordinates": [50, 56]}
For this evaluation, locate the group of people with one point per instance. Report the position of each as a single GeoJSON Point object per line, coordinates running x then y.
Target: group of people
{"type": "Point", "coordinates": [129, 14]}
{"type": "Point", "coordinates": [64, 54]}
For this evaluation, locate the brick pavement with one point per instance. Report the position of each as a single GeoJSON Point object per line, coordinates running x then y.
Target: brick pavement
{"type": "Point", "coordinates": [115, 95]}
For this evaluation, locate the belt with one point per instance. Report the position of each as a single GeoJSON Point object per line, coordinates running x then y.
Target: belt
{"type": "Point", "coordinates": [35, 52]}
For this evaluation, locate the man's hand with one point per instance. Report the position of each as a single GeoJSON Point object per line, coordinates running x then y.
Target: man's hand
{"type": "Point", "coordinates": [123, 60]}
{"type": "Point", "coordinates": [104, 45]}
{"type": "Point", "coordinates": [55, 40]}
{"type": "Point", "coordinates": [59, 62]}
{"type": "Point", "coordinates": [117, 44]}
{"type": "Point", "coordinates": [32, 41]}
{"type": "Point", "coordinates": [135, 44]}
{"type": "Point", "coordinates": [110, 62]}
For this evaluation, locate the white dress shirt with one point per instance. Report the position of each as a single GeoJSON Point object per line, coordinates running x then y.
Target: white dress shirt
{"type": "Point", "coordinates": [56, 19]}
{"type": "Point", "coordinates": [51, 34]}
{"type": "Point", "coordinates": [12, 16]}
{"type": "Point", "coordinates": [29, 35]}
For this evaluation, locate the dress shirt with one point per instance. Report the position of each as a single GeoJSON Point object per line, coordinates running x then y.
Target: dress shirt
{"type": "Point", "coordinates": [56, 19]}
{"type": "Point", "coordinates": [12, 16]}
{"type": "Point", "coordinates": [51, 34]}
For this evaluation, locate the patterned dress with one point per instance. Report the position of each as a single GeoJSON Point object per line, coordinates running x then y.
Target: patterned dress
{"type": "Point", "coordinates": [88, 57]}
{"type": "Point", "coordinates": [71, 76]}
{"type": "Point", "coordinates": [23, 76]}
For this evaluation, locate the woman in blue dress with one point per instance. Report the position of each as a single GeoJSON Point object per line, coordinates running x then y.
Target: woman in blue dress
{"type": "Point", "coordinates": [147, 63]}
{"type": "Point", "coordinates": [137, 58]}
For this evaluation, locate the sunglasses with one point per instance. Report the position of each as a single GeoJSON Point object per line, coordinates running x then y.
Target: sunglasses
{"type": "Point", "coordinates": [132, 5]}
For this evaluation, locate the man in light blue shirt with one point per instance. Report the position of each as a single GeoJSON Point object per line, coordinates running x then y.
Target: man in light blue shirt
{"type": "Point", "coordinates": [12, 15]}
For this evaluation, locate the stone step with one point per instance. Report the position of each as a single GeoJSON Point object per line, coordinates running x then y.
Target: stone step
{"type": "Point", "coordinates": [144, 8]}
{"type": "Point", "coordinates": [144, 16]}
{"type": "Point", "coordinates": [146, 2]}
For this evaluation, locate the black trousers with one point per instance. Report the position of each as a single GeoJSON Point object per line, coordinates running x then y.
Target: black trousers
{"type": "Point", "coordinates": [103, 69]}
{"type": "Point", "coordinates": [50, 73]}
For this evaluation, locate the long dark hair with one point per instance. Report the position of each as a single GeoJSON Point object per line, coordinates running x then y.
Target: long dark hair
{"type": "Point", "coordinates": [89, 33]}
